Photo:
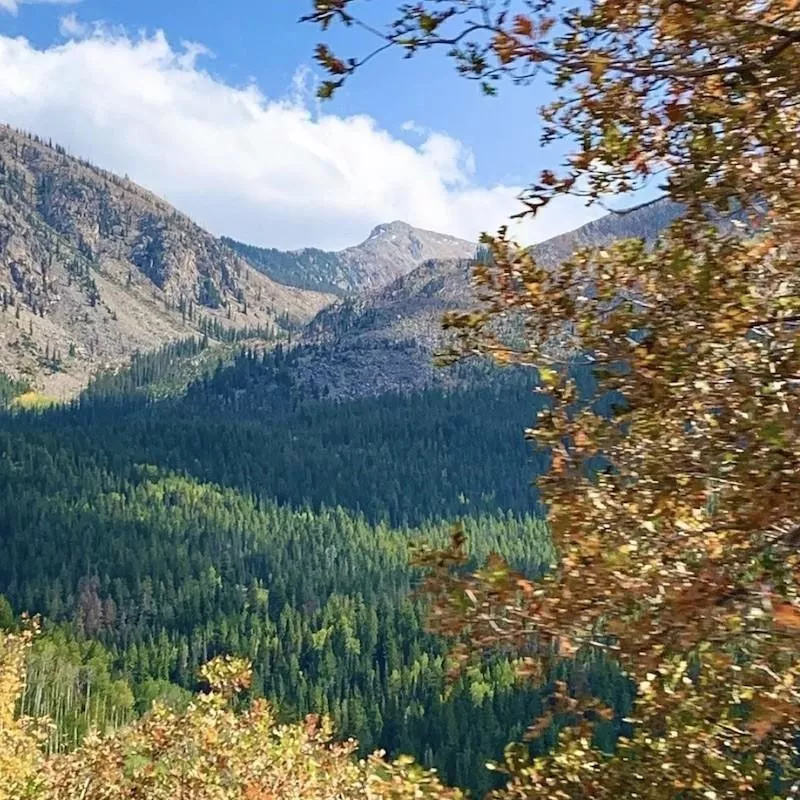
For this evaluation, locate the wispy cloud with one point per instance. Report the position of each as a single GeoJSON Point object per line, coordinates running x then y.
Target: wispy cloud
{"type": "Point", "coordinates": [276, 171]}
{"type": "Point", "coordinates": [71, 27]}
{"type": "Point", "coordinates": [12, 6]}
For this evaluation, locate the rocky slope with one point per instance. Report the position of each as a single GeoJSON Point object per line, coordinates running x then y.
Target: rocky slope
{"type": "Point", "coordinates": [391, 251]}
{"type": "Point", "coordinates": [93, 267]}
{"type": "Point", "coordinates": [385, 340]}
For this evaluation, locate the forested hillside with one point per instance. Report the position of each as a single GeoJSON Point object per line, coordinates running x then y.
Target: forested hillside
{"type": "Point", "coordinates": [212, 554]}
{"type": "Point", "coordinates": [238, 517]}
{"type": "Point", "coordinates": [681, 554]}
{"type": "Point", "coordinates": [224, 495]}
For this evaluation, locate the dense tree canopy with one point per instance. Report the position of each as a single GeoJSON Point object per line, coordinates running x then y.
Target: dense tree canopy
{"type": "Point", "coordinates": [241, 517]}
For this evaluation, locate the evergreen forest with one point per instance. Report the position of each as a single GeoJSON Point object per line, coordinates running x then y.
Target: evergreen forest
{"type": "Point", "coordinates": [154, 527]}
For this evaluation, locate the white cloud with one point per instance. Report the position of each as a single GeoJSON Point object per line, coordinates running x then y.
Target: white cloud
{"type": "Point", "coordinates": [279, 172]}
{"type": "Point", "coordinates": [71, 27]}
{"type": "Point", "coordinates": [12, 6]}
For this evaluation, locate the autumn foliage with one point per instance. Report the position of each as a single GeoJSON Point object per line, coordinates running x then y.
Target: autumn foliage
{"type": "Point", "coordinates": [211, 751]}
{"type": "Point", "coordinates": [677, 516]}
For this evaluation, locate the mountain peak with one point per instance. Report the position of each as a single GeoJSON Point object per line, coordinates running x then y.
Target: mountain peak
{"type": "Point", "coordinates": [385, 341]}
{"type": "Point", "coordinates": [391, 250]}
{"type": "Point", "coordinates": [396, 226]}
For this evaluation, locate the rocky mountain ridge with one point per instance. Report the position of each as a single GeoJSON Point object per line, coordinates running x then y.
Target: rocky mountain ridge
{"type": "Point", "coordinates": [390, 251]}
{"type": "Point", "coordinates": [93, 267]}
{"type": "Point", "coordinates": [385, 340]}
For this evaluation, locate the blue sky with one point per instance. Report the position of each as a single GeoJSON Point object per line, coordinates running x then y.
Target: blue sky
{"type": "Point", "coordinates": [112, 80]}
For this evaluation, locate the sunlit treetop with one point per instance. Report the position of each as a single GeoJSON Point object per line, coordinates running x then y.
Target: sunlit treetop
{"type": "Point", "coordinates": [211, 751]}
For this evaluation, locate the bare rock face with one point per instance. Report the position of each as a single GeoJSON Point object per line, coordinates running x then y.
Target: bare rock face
{"type": "Point", "coordinates": [385, 340]}
{"type": "Point", "coordinates": [390, 251]}
{"type": "Point", "coordinates": [93, 267]}
{"type": "Point", "coordinates": [396, 249]}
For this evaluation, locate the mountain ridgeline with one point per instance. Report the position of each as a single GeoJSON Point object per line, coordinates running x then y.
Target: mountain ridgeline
{"type": "Point", "coordinates": [93, 267]}
{"type": "Point", "coordinates": [385, 340]}
{"type": "Point", "coordinates": [391, 250]}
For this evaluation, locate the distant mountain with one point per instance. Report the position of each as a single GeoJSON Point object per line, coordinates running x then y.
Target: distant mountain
{"type": "Point", "coordinates": [391, 251]}
{"type": "Point", "coordinates": [93, 267]}
{"type": "Point", "coordinates": [385, 340]}
{"type": "Point", "coordinates": [645, 221]}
